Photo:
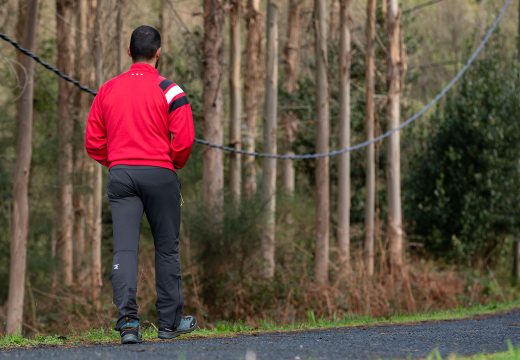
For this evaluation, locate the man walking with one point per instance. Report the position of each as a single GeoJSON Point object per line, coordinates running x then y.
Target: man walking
{"type": "Point", "coordinates": [140, 126]}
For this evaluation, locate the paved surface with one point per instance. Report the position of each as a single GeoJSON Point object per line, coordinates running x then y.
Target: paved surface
{"type": "Point", "coordinates": [486, 334]}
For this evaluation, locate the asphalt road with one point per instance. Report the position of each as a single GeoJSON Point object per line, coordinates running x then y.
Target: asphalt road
{"type": "Point", "coordinates": [485, 334]}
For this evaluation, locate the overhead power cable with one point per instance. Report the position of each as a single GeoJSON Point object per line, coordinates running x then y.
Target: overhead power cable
{"type": "Point", "coordinates": [358, 146]}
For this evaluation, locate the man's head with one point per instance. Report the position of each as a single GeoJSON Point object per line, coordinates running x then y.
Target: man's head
{"type": "Point", "coordinates": [145, 45]}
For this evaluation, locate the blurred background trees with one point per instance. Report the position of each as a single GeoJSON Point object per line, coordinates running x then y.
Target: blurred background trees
{"type": "Point", "coordinates": [266, 239]}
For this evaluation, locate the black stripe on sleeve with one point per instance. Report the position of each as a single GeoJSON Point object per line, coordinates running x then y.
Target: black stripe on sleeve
{"type": "Point", "coordinates": [164, 84]}
{"type": "Point", "coordinates": [178, 103]}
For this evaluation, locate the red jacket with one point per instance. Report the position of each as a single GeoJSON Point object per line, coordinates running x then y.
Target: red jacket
{"type": "Point", "coordinates": [140, 118]}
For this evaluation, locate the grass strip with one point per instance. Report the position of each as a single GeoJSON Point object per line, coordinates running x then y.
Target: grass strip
{"type": "Point", "coordinates": [227, 329]}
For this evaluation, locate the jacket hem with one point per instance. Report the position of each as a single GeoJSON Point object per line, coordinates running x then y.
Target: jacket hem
{"type": "Point", "coordinates": [158, 163]}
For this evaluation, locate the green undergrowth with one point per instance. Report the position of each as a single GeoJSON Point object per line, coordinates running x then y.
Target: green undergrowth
{"type": "Point", "coordinates": [225, 329]}
{"type": "Point", "coordinates": [11, 341]}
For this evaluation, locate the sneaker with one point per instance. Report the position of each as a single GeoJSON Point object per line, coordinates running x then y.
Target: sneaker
{"type": "Point", "coordinates": [130, 333]}
{"type": "Point", "coordinates": [187, 325]}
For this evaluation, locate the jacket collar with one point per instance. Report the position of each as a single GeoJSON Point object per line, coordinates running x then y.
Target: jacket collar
{"type": "Point", "coordinates": [139, 66]}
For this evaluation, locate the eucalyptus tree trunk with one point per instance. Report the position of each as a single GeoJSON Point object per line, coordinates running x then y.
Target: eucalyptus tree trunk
{"type": "Point", "coordinates": [65, 219]}
{"type": "Point", "coordinates": [20, 210]}
{"type": "Point", "coordinates": [119, 43]}
{"type": "Point", "coordinates": [252, 84]}
{"type": "Point", "coordinates": [370, 184]}
{"type": "Point", "coordinates": [167, 29]}
{"type": "Point", "coordinates": [343, 231]}
{"type": "Point", "coordinates": [80, 157]}
{"type": "Point", "coordinates": [516, 261]}
{"type": "Point", "coordinates": [270, 124]}
{"type": "Point", "coordinates": [334, 11]}
{"type": "Point", "coordinates": [292, 60]}
{"type": "Point", "coordinates": [395, 231]}
{"type": "Point", "coordinates": [518, 36]}
{"type": "Point", "coordinates": [97, 175]}
{"type": "Point", "coordinates": [235, 168]}
{"type": "Point", "coordinates": [516, 242]}
{"type": "Point", "coordinates": [321, 260]}
{"type": "Point", "coordinates": [213, 129]}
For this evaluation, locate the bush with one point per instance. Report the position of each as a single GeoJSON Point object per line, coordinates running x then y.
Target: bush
{"type": "Point", "coordinates": [462, 188]}
{"type": "Point", "coordinates": [227, 252]}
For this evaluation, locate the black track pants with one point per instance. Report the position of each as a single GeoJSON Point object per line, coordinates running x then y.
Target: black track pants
{"type": "Point", "coordinates": [156, 191]}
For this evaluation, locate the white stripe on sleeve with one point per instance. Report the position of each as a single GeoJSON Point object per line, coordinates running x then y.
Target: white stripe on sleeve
{"type": "Point", "coordinates": [173, 92]}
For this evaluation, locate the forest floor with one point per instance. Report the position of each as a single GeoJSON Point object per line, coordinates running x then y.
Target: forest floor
{"type": "Point", "coordinates": [435, 338]}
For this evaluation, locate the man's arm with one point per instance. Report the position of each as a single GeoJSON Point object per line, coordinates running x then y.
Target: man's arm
{"type": "Point", "coordinates": [182, 129]}
{"type": "Point", "coordinates": [96, 133]}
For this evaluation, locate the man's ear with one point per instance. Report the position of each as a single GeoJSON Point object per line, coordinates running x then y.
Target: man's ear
{"type": "Point", "coordinates": [158, 53]}
{"type": "Point", "coordinates": [128, 52]}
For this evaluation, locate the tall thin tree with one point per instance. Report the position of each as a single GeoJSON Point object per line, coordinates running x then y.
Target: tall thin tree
{"type": "Point", "coordinates": [166, 9]}
{"type": "Point", "coordinates": [252, 84]}
{"type": "Point", "coordinates": [334, 10]}
{"type": "Point", "coordinates": [20, 214]}
{"type": "Point", "coordinates": [344, 197]}
{"type": "Point", "coordinates": [292, 60]}
{"type": "Point", "coordinates": [370, 182]}
{"type": "Point", "coordinates": [95, 227]}
{"type": "Point", "coordinates": [235, 168]}
{"type": "Point", "coordinates": [119, 43]}
{"type": "Point", "coordinates": [65, 219]}
{"type": "Point", "coordinates": [213, 130]}
{"type": "Point", "coordinates": [380, 245]}
{"type": "Point", "coordinates": [516, 242]}
{"type": "Point", "coordinates": [395, 231]}
{"type": "Point", "coordinates": [321, 261]}
{"type": "Point", "coordinates": [80, 156]}
{"type": "Point", "coordinates": [270, 125]}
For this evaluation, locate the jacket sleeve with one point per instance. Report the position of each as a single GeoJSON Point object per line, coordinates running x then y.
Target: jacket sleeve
{"type": "Point", "coordinates": [182, 130]}
{"type": "Point", "coordinates": [96, 133]}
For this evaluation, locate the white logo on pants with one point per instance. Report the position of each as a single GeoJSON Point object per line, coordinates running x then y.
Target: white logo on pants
{"type": "Point", "coordinates": [116, 266]}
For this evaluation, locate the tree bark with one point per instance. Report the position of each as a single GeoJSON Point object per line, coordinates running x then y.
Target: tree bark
{"type": "Point", "coordinates": [380, 246]}
{"type": "Point", "coordinates": [343, 232]}
{"type": "Point", "coordinates": [64, 17]}
{"type": "Point", "coordinates": [254, 54]}
{"type": "Point", "coordinates": [20, 210]}
{"type": "Point", "coordinates": [518, 35]}
{"type": "Point", "coordinates": [96, 234]}
{"type": "Point", "coordinates": [395, 231]}
{"type": "Point", "coordinates": [516, 260]}
{"type": "Point", "coordinates": [235, 168]}
{"type": "Point", "coordinates": [96, 173]}
{"type": "Point", "coordinates": [370, 185]}
{"type": "Point", "coordinates": [270, 124]}
{"type": "Point", "coordinates": [292, 60]}
{"type": "Point", "coordinates": [516, 242]}
{"type": "Point", "coordinates": [212, 159]}
{"type": "Point", "coordinates": [333, 19]}
{"type": "Point", "coordinates": [80, 159]}
{"type": "Point", "coordinates": [321, 262]}
{"type": "Point", "coordinates": [165, 28]}
{"type": "Point", "coordinates": [119, 43]}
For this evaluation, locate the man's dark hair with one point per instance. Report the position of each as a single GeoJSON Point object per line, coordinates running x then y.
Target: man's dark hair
{"type": "Point", "coordinates": [144, 42]}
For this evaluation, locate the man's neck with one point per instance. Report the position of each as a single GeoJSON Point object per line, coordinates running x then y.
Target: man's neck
{"type": "Point", "coordinates": [151, 63]}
